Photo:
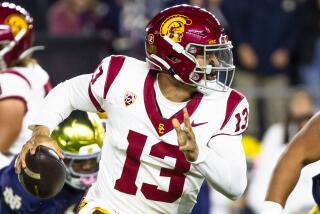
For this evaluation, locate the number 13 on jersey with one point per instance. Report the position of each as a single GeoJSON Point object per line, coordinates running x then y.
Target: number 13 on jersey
{"type": "Point", "coordinates": [126, 183]}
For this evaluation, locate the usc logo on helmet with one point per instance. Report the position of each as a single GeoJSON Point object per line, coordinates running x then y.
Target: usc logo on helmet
{"type": "Point", "coordinates": [17, 23]}
{"type": "Point", "coordinates": [174, 27]}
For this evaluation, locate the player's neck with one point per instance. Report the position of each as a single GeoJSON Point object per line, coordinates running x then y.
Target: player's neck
{"type": "Point", "coordinates": [174, 90]}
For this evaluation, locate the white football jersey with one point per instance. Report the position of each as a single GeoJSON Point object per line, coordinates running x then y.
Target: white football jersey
{"type": "Point", "coordinates": [141, 167]}
{"type": "Point", "coordinates": [29, 84]}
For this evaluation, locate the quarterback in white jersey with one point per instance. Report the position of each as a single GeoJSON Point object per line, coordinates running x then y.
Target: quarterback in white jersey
{"type": "Point", "coordinates": [23, 83]}
{"type": "Point", "coordinates": [172, 123]}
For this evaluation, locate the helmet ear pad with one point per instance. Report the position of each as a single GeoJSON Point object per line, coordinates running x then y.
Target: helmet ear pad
{"type": "Point", "coordinates": [179, 63]}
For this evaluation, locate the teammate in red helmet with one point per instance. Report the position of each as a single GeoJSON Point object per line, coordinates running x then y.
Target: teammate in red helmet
{"type": "Point", "coordinates": [23, 83]}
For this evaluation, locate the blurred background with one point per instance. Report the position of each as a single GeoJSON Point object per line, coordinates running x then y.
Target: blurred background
{"type": "Point", "coordinates": [276, 52]}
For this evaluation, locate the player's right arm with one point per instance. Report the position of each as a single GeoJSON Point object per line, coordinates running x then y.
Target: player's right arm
{"type": "Point", "coordinates": [84, 92]}
{"type": "Point", "coordinates": [303, 150]}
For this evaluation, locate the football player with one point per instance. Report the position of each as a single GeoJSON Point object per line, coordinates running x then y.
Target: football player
{"type": "Point", "coordinates": [80, 137]}
{"type": "Point", "coordinates": [23, 83]}
{"type": "Point", "coordinates": [304, 149]}
{"type": "Point", "coordinates": [173, 121]}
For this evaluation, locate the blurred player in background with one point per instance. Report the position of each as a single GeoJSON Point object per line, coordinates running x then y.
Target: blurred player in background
{"type": "Point", "coordinates": [80, 137]}
{"type": "Point", "coordinates": [23, 83]}
{"type": "Point", "coordinates": [173, 121]}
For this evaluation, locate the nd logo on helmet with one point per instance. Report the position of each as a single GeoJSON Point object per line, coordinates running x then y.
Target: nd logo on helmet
{"type": "Point", "coordinates": [174, 27]}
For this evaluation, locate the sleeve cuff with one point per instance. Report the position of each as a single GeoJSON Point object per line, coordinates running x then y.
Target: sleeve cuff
{"type": "Point", "coordinates": [203, 154]}
{"type": "Point", "coordinates": [50, 120]}
{"type": "Point", "coordinates": [270, 207]}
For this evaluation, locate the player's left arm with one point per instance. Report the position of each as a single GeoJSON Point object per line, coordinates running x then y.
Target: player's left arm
{"type": "Point", "coordinates": [303, 149]}
{"type": "Point", "coordinates": [222, 161]}
{"type": "Point", "coordinates": [225, 166]}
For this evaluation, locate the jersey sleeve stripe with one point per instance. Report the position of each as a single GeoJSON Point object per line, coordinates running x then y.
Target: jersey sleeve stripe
{"type": "Point", "coordinates": [94, 100]}
{"type": "Point", "coordinates": [47, 87]}
{"type": "Point", "coordinates": [17, 98]}
{"type": "Point", "coordinates": [95, 77]}
{"type": "Point", "coordinates": [234, 99]}
{"type": "Point", "coordinates": [225, 135]}
{"type": "Point", "coordinates": [17, 74]}
{"type": "Point", "coordinates": [114, 68]}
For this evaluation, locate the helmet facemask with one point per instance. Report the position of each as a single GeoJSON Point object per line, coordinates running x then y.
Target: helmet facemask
{"type": "Point", "coordinates": [82, 170]}
{"type": "Point", "coordinates": [214, 66]}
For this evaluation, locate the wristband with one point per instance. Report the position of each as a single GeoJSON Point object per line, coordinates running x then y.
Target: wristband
{"type": "Point", "coordinates": [270, 207]}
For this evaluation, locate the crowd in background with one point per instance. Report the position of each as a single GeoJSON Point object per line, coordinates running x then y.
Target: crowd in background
{"type": "Point", "coordinates": [276, 49]}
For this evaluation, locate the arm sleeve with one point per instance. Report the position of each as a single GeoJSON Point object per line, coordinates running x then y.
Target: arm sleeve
{"type": "Point", "coordinates": [225, 165]}
{"type": "Point", "coordinates": [84, 92]}
{"type": "Point", "coordinates": [271, 207]}
{"type": "Point", "coordinates": [222, 160]}
{"type": "Point", "coordinates": [12, 86]}
{"type": "Point", "coordinates": [62, 100]}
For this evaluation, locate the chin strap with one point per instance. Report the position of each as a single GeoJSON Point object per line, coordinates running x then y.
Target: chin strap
{"type": "Point", "coordinates": [3, 64]}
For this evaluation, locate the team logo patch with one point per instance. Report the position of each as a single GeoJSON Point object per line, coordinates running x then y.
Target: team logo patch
{"type": "Point", "coordinates": [14, 201]}
{"type": "Point", "coordinates": [151, 48]}
{"type": "Point", "coordinates": [129, 98]}
{"type": "Point", "coordinates": [150, 38]}
{"type": "Point", "coordinates": [17, 23]}
{"type": "Point", "coordinates": [161, 128]}
{"type": "Point", "coordinates": [174, 27]}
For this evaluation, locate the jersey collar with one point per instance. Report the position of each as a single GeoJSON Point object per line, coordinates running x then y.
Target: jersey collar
{"type": "Point", "coordinates": [160, 124]}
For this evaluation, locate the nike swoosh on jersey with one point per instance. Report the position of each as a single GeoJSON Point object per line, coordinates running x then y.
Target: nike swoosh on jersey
{"type": "Point", "coordinates": [193, 124]}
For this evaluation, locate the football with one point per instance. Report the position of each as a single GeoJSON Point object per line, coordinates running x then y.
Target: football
{"type": "Point", "coordinates": [45, 173]}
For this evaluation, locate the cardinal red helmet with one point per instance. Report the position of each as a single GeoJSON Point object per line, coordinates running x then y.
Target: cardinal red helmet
{"type": "Point", "coordinates": [16, 30]}
{"type": "Point", "coordinates": [189, 43]}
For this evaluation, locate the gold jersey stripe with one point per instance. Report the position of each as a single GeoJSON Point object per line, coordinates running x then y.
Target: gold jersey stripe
{"type": "Point", "coordinates": [98, 210]}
